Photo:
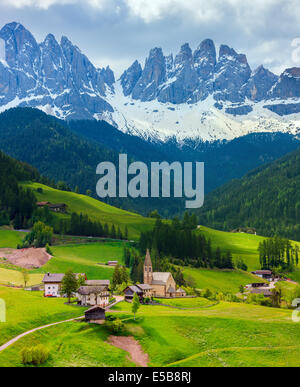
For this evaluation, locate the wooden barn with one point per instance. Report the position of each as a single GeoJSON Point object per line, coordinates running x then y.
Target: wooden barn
{"type": "Point", "coordinates": [95, 315]}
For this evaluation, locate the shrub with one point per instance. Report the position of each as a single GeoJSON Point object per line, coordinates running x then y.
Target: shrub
{"type": "Point", "coordinates": [35, 355]}
{"type": "Point", "coordinates": [116, 326]}
{"type": "Point", "coordinates": [48, 249]}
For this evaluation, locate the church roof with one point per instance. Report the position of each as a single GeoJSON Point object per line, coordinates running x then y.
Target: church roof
{"type": "Point", "coordinates": [159, 278]}
{"type": "Point", "coordinates": [171, 290]}
{"type": "Point", "coordinates": [148, 259]}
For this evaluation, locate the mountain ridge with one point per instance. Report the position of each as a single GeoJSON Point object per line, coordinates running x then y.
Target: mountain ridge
{"type": "Point", "coordinates": [196, 94]}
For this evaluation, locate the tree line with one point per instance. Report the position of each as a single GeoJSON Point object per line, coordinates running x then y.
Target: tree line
{"type": "Point", "coordinates": [278, 252]}
{"type": "Point", "coordinates": [182, 245]}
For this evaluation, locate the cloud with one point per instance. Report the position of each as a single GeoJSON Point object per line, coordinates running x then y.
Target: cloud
{"type": "Point", "coordinates": [153, 10]}
{"type": "Point", "coordinates": [45, 4]}
{"type": "Point", "coordinates": [117, 32]}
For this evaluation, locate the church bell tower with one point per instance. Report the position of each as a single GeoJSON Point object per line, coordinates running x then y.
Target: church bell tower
{"type": "Point", "coordinates": [148, 269]}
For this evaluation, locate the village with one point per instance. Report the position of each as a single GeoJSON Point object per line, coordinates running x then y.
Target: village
{"type": "Point", "coordinates": [97, 294]}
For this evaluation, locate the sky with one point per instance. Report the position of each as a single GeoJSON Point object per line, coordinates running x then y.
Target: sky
{"type": "Point", "coordinates": [116, 32]}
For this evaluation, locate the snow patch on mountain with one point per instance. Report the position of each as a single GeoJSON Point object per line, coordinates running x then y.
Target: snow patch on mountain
{"type": "Point", "coordinates": [201, 120]}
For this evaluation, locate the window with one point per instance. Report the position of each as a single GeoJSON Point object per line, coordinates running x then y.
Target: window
{"type": "Point", "coordinates": [149, 269]}
{"type": "Point", "coordinates": [145, 268]}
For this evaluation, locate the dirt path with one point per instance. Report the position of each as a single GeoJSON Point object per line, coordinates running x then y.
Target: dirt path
{"type": "Point", "coordinates": [12, 341]}
{"type": "Point", "coordinates": [133, 347]}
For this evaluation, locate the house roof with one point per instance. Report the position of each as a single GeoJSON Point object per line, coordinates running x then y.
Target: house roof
{"type": "Point", "coordinates": [86, 290]}
{"type": "Point", "coordinates": [262, 272]}
{"type": "Point", "coordinates": [180, 290]}
{"type": "Point", "coordinates": [144, 286]}
{"type": "Point", "coordinates": [57, 205]}
{"type": "Point", "coordinates": [265, 292]}
{"type": "Point", "coordinates": [58, 277]}
{"type": "Point", "coordinates": [94, 308]}
{"type": "Point", "coordinates": [160, 278]}
{"type": "Point", "coordinates": [171, 290]}
{"type": "Point", "coordinates": [97, 283]}
{"type": "Point", "coordinates": [42, 203]}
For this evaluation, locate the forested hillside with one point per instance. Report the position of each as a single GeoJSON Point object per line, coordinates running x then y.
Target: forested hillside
{"type": "Point", "coordinates": [267, 199]}
{"type": "Point", "coordinates": [45, 143]}
{"type": "Point", "coordinates": [16, 204]}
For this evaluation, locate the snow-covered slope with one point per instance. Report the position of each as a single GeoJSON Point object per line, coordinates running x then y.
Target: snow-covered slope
{"type": "Point", "coordinates": [202, 120]}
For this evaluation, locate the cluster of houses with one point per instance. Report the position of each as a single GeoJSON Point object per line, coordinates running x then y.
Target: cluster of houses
{"type": "Point", "coordinates": [93, 292]}
{"type": "Point", "coordinates": [97, 292]}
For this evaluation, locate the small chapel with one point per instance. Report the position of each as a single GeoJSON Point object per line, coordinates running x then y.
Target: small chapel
{"type": "Point", "coordinates": [163, 284]}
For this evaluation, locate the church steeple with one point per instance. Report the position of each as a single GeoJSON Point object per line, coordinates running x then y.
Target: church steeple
{"type": "Point", "coordinates": [148, 269]}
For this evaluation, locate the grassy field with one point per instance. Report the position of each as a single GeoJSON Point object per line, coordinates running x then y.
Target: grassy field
{"type": "Point", "coordinates": [227, 334]}
{"type": "Point", "coordinates": [10, 238]}
{"type": "Point", "coordinates": [27, 310]}
{"type": "Point", "coordinates": [94, 209]}
{"type": "Point", "coordinates": [85, 258]}
{"type": "Point", "coordinates": [241, 245]}
{"type": "Point", "coordinates": [15, 278]}
{"type": "Point", "coordinates": [221, 280]}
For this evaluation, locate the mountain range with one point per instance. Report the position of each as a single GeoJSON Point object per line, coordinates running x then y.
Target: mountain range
{"type": "Point", "coordinates": [196, 96]}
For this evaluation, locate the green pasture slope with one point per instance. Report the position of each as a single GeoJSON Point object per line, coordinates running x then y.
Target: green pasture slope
{"type": "Point", "coordinates": [220, 280]}
{"type": "Point", "coordinates": [241, 245]}
{"type": "Point", "coordinates": [85, 258]}
{"type": "Point", "coordinates": [26, 310]}
{"type": "Point", "coordinates": [226, 334]}
{"type": "Point", "coordinates": [95, 209]}
{"type": "Point", "coordinates": [10, 238]}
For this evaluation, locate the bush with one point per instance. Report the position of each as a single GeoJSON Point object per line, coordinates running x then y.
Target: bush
{"type": "Point", "coordinates": [116, 326]}
{"type": "Point", "coordinates": [48, 249]}
{"type": "Point", "coordinates": [35, 355]}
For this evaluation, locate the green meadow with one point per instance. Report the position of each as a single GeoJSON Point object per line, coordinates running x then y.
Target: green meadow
{"type": "Point", "coordinates": [241, 245]}
{"type": "Point", "coordinates": [15, 277]}
{"type": "Point", "coordinates": [95, 209]}
{"type": "Point", "coordinates": [26, 310]}
{"type": "Point", "coordinates": [226, 335]}
{"type": "Point", "coordinates": [10, 238]}
{"type": "Point", "coordinates": [85, 258]}
{"type": "Point", "coordinates": [220, 280]}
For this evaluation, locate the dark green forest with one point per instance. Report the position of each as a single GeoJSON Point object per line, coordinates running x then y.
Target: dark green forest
{"type": "Point", "coordinates": [16, 204]}
{"type": "Point", "coordinates": [267, 199]}
{"type": "Point", "coordinates": [178, 242]}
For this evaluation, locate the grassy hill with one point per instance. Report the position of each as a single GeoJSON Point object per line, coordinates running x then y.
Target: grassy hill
{"type": "Point", "coordinates": [224, 335]}
{"type": "Point", "coordinates": [27, 310]}
{"type": "Point", "coordinates": [85, 258]}
{"type": "Point", "coordinates": [95, 209]}
{"type": "Point", "coordinates": [10, 238]}
{"type": "Point", "coordinates": [267, 199]}
{"type": "Point", "coordinates": [220, 280]}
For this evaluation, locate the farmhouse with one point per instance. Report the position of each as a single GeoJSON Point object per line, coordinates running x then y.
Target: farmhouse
{"type": "Point", "coordinates": [163, 284]}
{"type": "Point", "coordinates": [142, 290]}
{"type": "Point", "coordinates": [266, 274]}
{"type": "Point", "coordinates": [93, 295]}
{"type": "Point", "coordinates": [52, 283]}
{"type": "Point", "coordinates": [58, 207]}
{"type": "Point", "coordinates": [95, 315]}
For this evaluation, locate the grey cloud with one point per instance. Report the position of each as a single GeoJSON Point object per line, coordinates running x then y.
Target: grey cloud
{"type": "Point", "coordinates": [120, 31]}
